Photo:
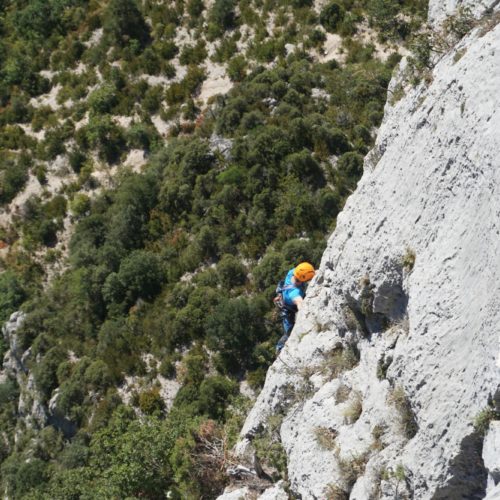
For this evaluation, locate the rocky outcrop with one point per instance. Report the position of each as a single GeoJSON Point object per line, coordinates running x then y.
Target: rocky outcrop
{"type": "Point", "coordinates": [396, 351]}
{"type": "Point", "coordinates": [440, 10]}
{"type": "Point", "coordinates": [15, 364]}
{"type": "Point", "coordinates": [491, 455]}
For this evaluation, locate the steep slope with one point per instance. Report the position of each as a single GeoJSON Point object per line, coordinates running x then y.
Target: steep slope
{"type": "Point", "coordinates": [407, 294]}
{"type": "Point", "coordinates": [439, 10]}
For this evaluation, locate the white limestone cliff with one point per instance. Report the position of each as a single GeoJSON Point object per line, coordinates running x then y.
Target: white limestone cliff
{"type": "Point", "coordinates": [439, 10]}
{"type": "Point", "coordinates": [409, 282]}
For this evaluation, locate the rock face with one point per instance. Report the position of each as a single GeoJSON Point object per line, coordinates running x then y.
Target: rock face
{"type": "Point", "coordinates": [396, 350]}
{"type": "Point", "coordinates": [30, 408]}
{"type": "Point", "coordinates": [491, 455]}
{"type": "Point", "coordinates": [439, 10]}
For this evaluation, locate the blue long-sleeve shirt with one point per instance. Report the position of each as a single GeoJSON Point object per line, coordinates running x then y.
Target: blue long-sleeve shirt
{"type": "Point", "coordinates": [292, 290]}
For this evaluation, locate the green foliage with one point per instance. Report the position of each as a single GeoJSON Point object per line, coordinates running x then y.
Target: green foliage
{"type": "Point", "coordinates": [130, 458]}
{"type": "Point", "coordinates": [408, 259]}
{"type": "Point", "coordinates": [483, 419]}
{"type": "Point", "coordinates": [104, 135]}
{"type": "Point", "coordinates": [231, 272]}
{"type": "Point", "coordinates": [9, 392]}
{"type": "Point", "coordinates": [382, 366]}
{"type": "Point", "coordinates": [232, 329]}
{"type": "Point", "coordinates": [12, 294]}
{"type": "Point", "coordinates": [236, 68]}
{"type": "Point", "coordinates": [178, 92]}
{"type": "Point", "coordinates": [268, 447]}
{"type": "Point", "coordinates": [167, 368]}
{"type": "Point", "coordinates": [143, 136]}
{"type": "Point", "coordinates": [222, 16]}
{"type": "Point", "coordinates": [139, 276]}
{"type": "Point", "coordinates": [351, 165]}
{"type": "Point", "coordinates": [25, 475]}
{"type": "Point", "coordinates": [13, 177]}
{"type": "Point", "coordinates": [150, 402]}
{"type": "Point", "coordinates": [80, 205]}
{"type": "Point", "coordinates": [193, 54]}
{"type": "Point", "coordinates": [195, 8]}
{"type": "Point", "coordinates": [331, 16]}
{"type": "Point", "coordinates": [215, 392]}
{"type": "Point", "coordinates": [43, 220]}
{"type": "Point", "coordinates": [45, 371]}
{"type": "Point", "coordinates": [103, 99]}
{"type": "Point", "coordinates": [385, 15]}
{"type": "Point", "coordinates": [97, 375]}
{"type": "Point", "coordinates": [159, 262]}
{"type": "Point", "coordinates": [124, 23]}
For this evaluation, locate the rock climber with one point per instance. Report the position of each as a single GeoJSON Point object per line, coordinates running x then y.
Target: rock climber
{"type": "Point", "coordinates": [290, 295]}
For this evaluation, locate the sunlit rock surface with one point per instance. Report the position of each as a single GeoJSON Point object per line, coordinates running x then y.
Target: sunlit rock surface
{"type": "Point", "coordinates": [411, 280]}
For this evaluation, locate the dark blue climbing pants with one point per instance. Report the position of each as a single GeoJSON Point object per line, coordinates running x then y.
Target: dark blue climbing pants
{"type": "Point", "coordinates": [288, 319]}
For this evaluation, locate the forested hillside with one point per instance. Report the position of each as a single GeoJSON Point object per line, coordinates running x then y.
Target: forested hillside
{"type": "Point", "coordinates": [162, 165]}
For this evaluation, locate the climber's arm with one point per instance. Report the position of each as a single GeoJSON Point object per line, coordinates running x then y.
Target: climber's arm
{"type": "Point", "coordinates": [298, 301]}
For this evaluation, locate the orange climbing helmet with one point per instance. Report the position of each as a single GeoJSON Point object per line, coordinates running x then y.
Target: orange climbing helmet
{"type": "Point", "coordinates": [304, 272]}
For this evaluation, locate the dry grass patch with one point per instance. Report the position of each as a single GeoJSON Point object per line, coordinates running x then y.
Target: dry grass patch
{"type": "Point", "coordinates": [325, 437]}
{"type": "Point", "coordinates": [400, 401]}
{"type": "Point", "coordinates": [354, 408]}
{"type": "Point", "coordinates": [339, 360]}
{"type": "Point", "coordinates": [342, 394]}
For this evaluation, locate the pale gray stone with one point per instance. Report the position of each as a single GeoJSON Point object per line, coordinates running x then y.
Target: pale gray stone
{"type": "Point", "coordinates": [239, 494]}
{"type": "Point", "coordinates": [494, 494]}
{"type": "Point", "coordinates": [277, 492]}
{"type": "Point", "coordinates": [430, 189]}
{"type": "Point", "coordinates": [491, 452]}
{"type": "Point", "coordinates": [440, 10]}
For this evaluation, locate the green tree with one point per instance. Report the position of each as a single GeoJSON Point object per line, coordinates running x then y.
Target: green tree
{"type": "Point", "coordinates": [103, 99]}
{"type": "Point", "coordinates": [80, 205]}
{"type": "Point", "coordinates": [235, 326]}
{"type": "Point", "coordinates": [331, 16]}
{"type": "Point", "coordinates": [13, 177]}
{"type": "Point", "coordinates": [351, 165]}
{"type": "Point", "coordinates": [237, 68]}
{"type": "Point", "coordinates": [12, 294]}
{"type": "Point", "coordinates": [123, 22]}
{"type": "Point", "coordinates": [103, 134]}
{"type": "Point", "coordinates": [231, 272]}
{"type": "Point", "coordinates": [46, 371]}
{"type": "Point", "coordinates": [195, 8]}
{"type": "Point", "coordinates": [222, 15]}
{"type": "Point", "coordinates": [215, 392]}
{"type": "Point", "coordinates": [130, 458]}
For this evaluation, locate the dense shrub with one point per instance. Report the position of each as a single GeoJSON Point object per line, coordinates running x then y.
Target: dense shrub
{"type": "Point", "coordinates": [103, 99]}
{"type": "Point", "coordinates": [222, 16]}
{"type": "Point", "coordinates": [123, 23]}
{"type": "Point", "coordinates": [331, 16]}
{"type": "Point", "coordinates": [12, 294]}
{"type": "Point", "coordinates": [139, 276]}
{"type": "Point", "coordinates": [233, 328]}
{"type": "Point", "coordinates": [150, 402]}
{"type": "Point", "coordinates": [214, 395]}
{"type": "Point", "coordinates": [9, 391]}
{"type": "Point", "coordinates": [107, 137]}
{"type": "Point", "coordinates": [13, 176]}
{"type": "Point", "coordinates": [45, 371]}
{"type": "Point", "coordinates": [236, 68]}
{"type": "Point", "coordinates": [231, 272]}
{"type": "Point", "coordinates": [351, 165]}
{"type": "Point", "coordinates": [195, 54]}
